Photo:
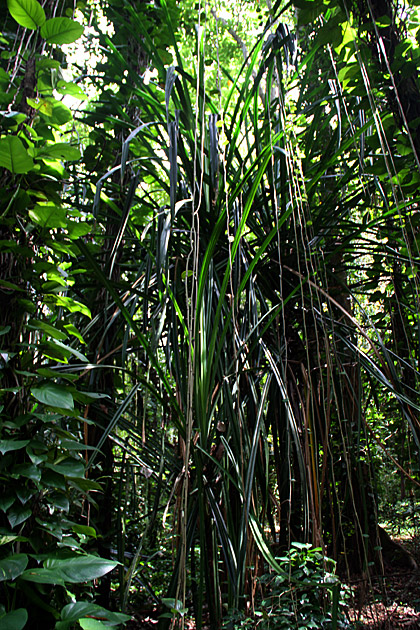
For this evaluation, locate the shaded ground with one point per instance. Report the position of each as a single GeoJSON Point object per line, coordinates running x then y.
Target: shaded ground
{"type": "Point", "coordinates": [393, 601]}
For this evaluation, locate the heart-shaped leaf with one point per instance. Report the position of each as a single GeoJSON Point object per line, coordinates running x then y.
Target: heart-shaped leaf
{"type": "Point", "coordinates": [15, 620]}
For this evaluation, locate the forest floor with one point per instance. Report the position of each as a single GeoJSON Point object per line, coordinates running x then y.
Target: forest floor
{"type": "Point", "coordinates": [392, 601]}
{"type": "Point", "coordinates": [388, 602]}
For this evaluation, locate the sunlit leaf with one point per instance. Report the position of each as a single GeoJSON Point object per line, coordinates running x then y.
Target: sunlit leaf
{"type": "Point", "coordinates": [72, 89]}
{"type": "Point", "coordinates": [60, 151]}
{"type": "Point", "coordinates": [92, 624]}
{"type": "Point", "coordinates": [48, 215]}
{"type": "Point", "coordinates": [14, 156]}
{"type": "Point", "coordinates": [81, 568]}
{"type": "Point", "coordinates": [61, 30]}
{"type": "Point", "coordinates": [72, 305]}
{"type": "Point", "coordinates": [27, 13]}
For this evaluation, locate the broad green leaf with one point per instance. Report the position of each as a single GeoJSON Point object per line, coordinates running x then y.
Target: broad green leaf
{"type": "Point", "coordinates": [24, 494]}
{"type": "Point", "coordinates": [4, 78]}
{"type": "Point", "coordinates": [27, 13]}
{"type": "Point", "coordinates": [76, 230]}
{"type": "Point", "coordinates": [52, 331]}
{"type": "Point", "coordinates": [72, 305]}
{"type": "Point", "coordinates": [43, 576]}
{"type": "Point", "coordinates": [12, 567]}
{"type": "Point", "coordinates": [17, 515]}
{"type": "Point", "coordinates": [12, 445]}
{"type": "Point", "coordinates": [53, 395]}
{"type": "Point", "coordinates": [74, 90]}
{"type": "Point", "coordinates": [41, 105]}
{"type": "Point", "coordinates": [92, 624]}
{"type": "Point", "coordinates": [54, 480]}
{"type": "Point", "coordinates": [72, 330]}
{"type": "Point", "coordinates": [60, 151]}
{"type": "Point", "coordinates": [46, 62]}
{"type": "Point", "coordinates": [14, 156]}
{"type": "Point", "coordinates": [57, 114]}
{"type": "Point", "coordinates": [30, 471]}
{"type": "Point", "coordinates": [85, 530]}
{"type": "Point", "coordinates": [14, 620]}
{"type": "Point", "coordinates": [68, 467]}
{"type": "Point", "coordinates": [61, 30]}
{"type": "Point", "coordinates": [80, 568]}
{"type": "Point", "coordinates": [78, 610]}
{"type": "Point", "coordinates": [48, 215]}
{"type": "Point", "coordinates": [6, 502]}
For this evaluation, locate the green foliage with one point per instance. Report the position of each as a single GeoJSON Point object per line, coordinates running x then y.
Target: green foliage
{"type": "Point", "coordinates": [13, 155]}
{"type": "Point", "coordinates": [305, 595]}
{"type": "Point", "coordinates": [61, 30]}
{"type": "Point", "coordinates": [48, 556]}
{"type": "Point", "coordinates": [211, 315]}
{"type": "Point", "coordinates": [27, 13]}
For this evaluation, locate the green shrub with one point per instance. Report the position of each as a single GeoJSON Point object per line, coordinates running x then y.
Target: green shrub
{"type": "Point", "coordinates": [306, 594]}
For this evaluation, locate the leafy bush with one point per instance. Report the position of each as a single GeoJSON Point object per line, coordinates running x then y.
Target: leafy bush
{"type": "Point", "coordinates": [306, 594]}
{"type": "Point", "coordinates": [44, 566]}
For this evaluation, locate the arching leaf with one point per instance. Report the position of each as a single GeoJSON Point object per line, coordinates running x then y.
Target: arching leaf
{"type": "Point", "coordinates": [27, 13]}
{"type": "Point", "coordinates": [13, 566]}
{"type": "Point", "coordinates": [60, 151]}
{"type": "Point", "coordinates": [15, 620]}
{"type": "Point", "coordinates": [61, 30]}
{"type": "Point", "coordinates": [53, 395]}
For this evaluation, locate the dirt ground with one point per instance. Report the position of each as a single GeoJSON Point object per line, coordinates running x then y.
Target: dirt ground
{"type": "Point", "coordinates": [392, 601]}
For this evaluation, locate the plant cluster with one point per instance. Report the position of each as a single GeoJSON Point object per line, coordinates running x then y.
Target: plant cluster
{"type": "Point", "coordinates": [303, 595]}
